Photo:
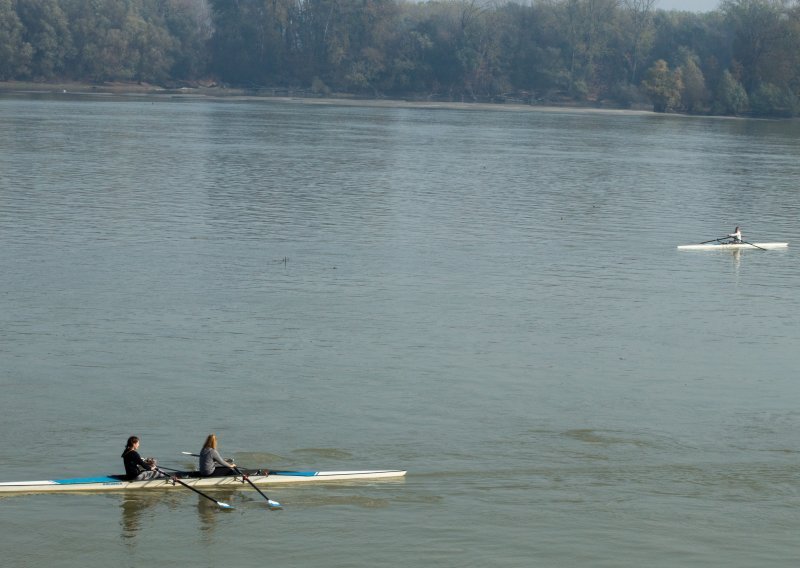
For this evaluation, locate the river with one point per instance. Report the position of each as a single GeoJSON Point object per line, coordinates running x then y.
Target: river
{"type": "Point", "coordinates": [490, 300]}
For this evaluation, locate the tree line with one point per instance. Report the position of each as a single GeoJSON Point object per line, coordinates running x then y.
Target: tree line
{"type": "Point", "coordinates": [743, 58]}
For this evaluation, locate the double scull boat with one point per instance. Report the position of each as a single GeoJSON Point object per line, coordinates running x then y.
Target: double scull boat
{"type": "Point", "coordinates": [192, 479]}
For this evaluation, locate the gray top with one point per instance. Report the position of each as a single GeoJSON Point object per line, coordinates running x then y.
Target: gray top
{"type": "Point", "coordinates": [209, 457]}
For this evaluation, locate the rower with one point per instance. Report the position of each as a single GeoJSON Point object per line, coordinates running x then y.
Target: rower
{"type": "Point", "coordinates": [211, 463]}
{"type": "Point", "coordinates": [736, 235]}
{"type": "Point", "coordinates": [137, 469]}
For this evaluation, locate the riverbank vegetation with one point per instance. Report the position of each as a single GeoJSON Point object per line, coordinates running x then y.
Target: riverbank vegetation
{"type": "Point", "coordinates": [742, 59]}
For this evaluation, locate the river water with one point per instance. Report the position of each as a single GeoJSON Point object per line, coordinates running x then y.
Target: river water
{"type": "Point", "coordinates": [491, 300]}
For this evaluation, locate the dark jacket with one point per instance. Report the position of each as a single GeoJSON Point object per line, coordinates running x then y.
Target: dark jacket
{"type": "Point", "coordinates": [134, 464]}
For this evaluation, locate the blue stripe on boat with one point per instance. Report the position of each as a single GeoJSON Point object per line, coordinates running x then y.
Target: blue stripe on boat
{"type": "Point", "coordinates": [75, 480]}
{"type": "Point", "coordinates": [107, 479]}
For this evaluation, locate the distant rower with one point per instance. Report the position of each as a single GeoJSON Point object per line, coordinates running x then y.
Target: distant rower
{"type": "Point", "coordinates": [736, 235]}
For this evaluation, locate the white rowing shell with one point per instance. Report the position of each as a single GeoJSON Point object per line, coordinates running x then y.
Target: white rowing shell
{"type": "Point", "coordinates": [109, 483]}
{"type": "Point", "coordinates": [735, 246]}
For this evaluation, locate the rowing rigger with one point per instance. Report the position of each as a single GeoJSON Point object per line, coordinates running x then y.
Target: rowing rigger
{"type": "Point", "coordinates": [193, 480]}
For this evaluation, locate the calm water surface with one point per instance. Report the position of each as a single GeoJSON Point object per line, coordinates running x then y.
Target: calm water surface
{"type": "Point", "coordinates": [491, 300]}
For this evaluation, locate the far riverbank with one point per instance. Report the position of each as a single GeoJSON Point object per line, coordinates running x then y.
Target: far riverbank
{"type": "Point", "coordinates": [123, 89]}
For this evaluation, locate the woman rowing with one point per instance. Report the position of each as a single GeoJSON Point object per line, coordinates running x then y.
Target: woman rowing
{"type": "Point", "coordinates": [137, 469]}
{"type": "Point", "coordinates": [211, 463]}
{"type": "Point", "coordinates": [736, 235]}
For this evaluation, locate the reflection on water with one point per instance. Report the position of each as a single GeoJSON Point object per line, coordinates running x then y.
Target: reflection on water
{"type": "Point", "coordinates": [138, 509]}
{"type": "Point", "coordinates": [737, 260]}
{"type": "Point", "coordinates": [208, 512]}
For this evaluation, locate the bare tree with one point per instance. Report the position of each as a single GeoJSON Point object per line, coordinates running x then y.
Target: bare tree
{"type": "Point", "coordinates": [640, 15]}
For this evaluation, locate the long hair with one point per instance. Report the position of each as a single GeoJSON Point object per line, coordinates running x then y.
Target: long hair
{"type": "Point", "coordinates": [211, 442]}
{"type": "Point", "coordinates": [129, 444]}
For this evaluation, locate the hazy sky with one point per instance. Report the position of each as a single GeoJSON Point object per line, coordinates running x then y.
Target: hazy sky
{"type": "Point", "coordinates": [692, 5]}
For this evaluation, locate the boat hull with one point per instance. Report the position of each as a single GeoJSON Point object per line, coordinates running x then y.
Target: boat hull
{"type": "Point", "coordinates": [114, 483]}
{"type": "Point", "coordinates": [735, 246]}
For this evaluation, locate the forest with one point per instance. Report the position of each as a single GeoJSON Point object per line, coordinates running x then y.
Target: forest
{"type": "Point", "coordinates": [741, 59]}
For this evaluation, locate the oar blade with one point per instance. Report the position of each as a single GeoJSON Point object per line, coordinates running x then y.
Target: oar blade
{"type": "Point", "coordinates": [273, 505]}
{"type": "Point", "coordinates": [175, 479]}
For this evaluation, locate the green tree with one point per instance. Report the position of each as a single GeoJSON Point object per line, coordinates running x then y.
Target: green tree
{"type": "Point", "coordinates": [15, 52]}
{"type": "Point", "coordinates": [588, 26]}
{"type": "Point", "coordinates": [530, 61]}
{"type": "Point", "coordinates": [731, 97]}
{"type": "Point", "coordinates": [150, 46]}
{"type": "Point", "coordinates": [407, 68]}
{"type": "Point", "coordinates": [747, 54]}
{"type": "Point", "coordinates": [663, 87]}
{"type": "Point", "coordinates": [255, 41]}
{"type": "Point", "coordinates": [773, 101]}
{"type": "Point", "coordinates": [694, 94]}
{"type": "Point", "coordinates": [477, 40]}
{"type": "Point", "coordinates": [761, 39]}
{"type": "Point", "coordinates": [366, 36]}
{"type": "Point", "coordinates": [449, 53]}
{"type": "Point", "coordinates": [638, 32]}
{"type": "Point", "coordinates": [101, 51]}
{"type": "Point", "coordinates": [47, 31]}
{"type": "Point", "coordinates": [189, 24]}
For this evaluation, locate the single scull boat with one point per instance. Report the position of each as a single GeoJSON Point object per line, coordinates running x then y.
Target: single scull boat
{"type": "Point", "coordinates": [258, 477]}
{"type": "Point", "coordinates": [734, 246]}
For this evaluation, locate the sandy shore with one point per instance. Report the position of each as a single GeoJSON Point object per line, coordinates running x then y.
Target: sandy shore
{"type": "Point", "coordinates": [215, 92]}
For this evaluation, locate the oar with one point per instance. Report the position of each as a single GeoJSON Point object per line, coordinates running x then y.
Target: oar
{"type": "Point", "coordinates": [752, 245]}
{"type": "Point", "coordinates": [715, 240]}
{"type": "Point", "coordinates": [272, 504]}
{"type": "Point", "coordinates": [187, 486]}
